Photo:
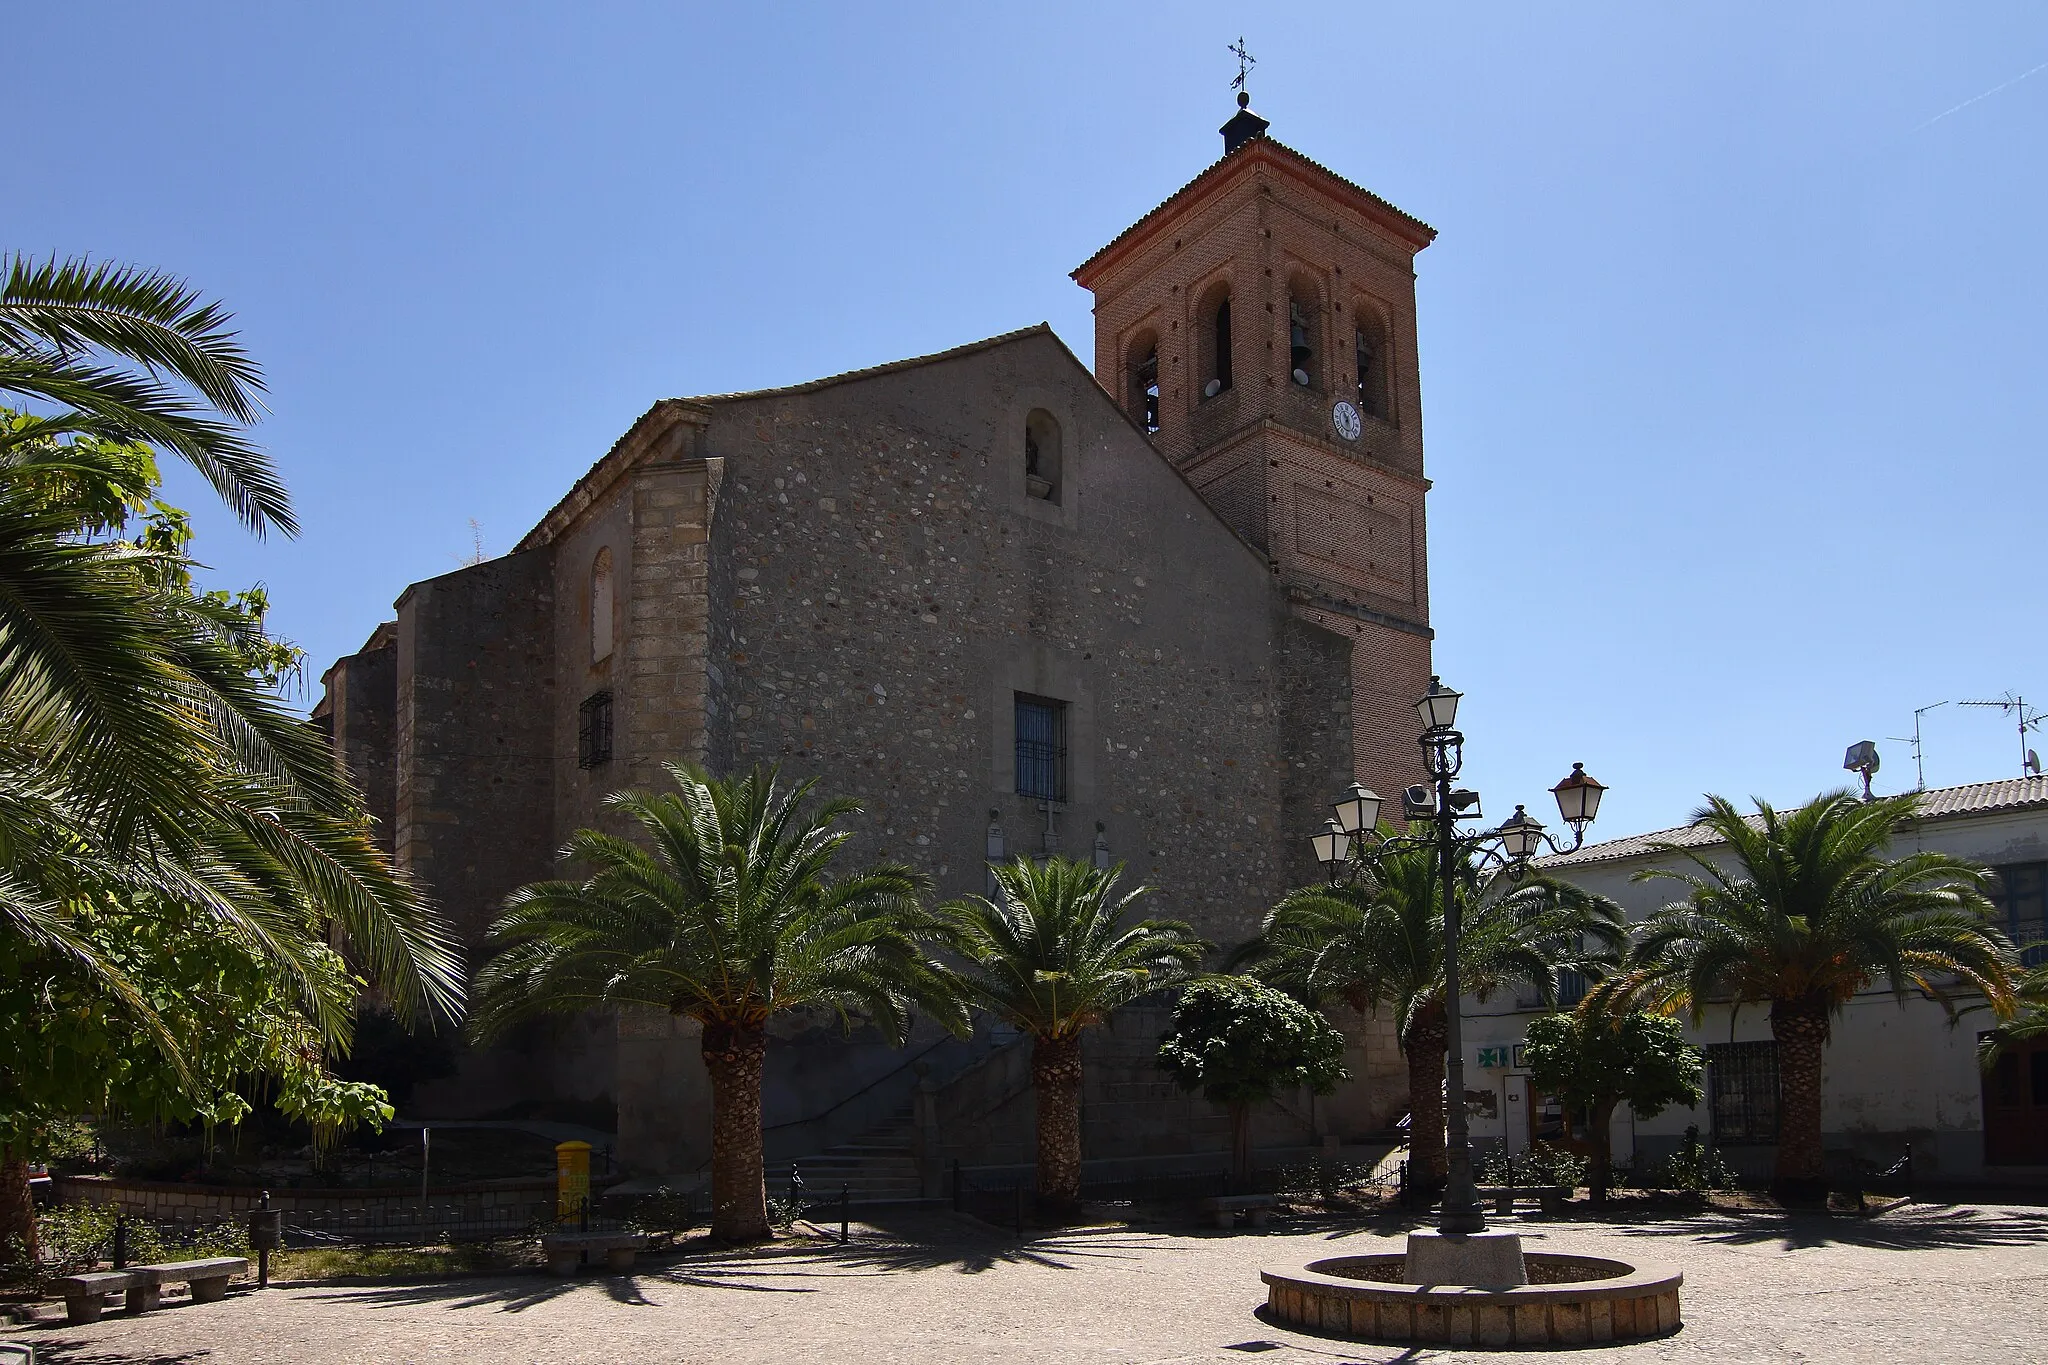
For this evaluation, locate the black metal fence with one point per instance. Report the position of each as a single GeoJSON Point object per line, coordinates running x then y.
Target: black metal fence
{"type": "Point", "coordinates": [1006, 1199]}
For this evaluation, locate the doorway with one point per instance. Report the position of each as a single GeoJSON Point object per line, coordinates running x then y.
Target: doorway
{"type": "Point", "coordinates": [2016, 1107]}
{"type": "Point", "coordinates": [1515, 1122]}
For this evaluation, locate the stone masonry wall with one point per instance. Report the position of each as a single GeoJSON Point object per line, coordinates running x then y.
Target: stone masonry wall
{"type": "Point", "coordinates": [893, 589]}
{"type": "Point", "coordinates": [361, 704]}
{"type": "Point", "coordinates": [474, 792]}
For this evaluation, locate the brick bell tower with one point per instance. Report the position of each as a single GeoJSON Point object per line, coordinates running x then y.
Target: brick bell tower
{"type": "Point", "coordinates": [1260, 325]}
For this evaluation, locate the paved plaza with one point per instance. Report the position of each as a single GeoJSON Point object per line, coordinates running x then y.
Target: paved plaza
{"type": "Point", "coordinates": [1924, 1283]}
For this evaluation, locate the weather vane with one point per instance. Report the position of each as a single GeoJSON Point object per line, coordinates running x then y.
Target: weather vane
{"type": "Point", "coordinates": [1245, 62]}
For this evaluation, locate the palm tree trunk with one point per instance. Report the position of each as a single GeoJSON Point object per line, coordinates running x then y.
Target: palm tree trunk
{"type": "Point", "coordinates": [1056, 1081]}
{"type": "Point", "coordinates": [1801, 1028]}
{"type": "Point", "coordinates": [1600, 1133]}
{"type": "Point", "coordinates": [1427, 1038]}
{"type": "Point", "coordinates": [17, 1207]}
{"type": "Point", "coordinates": [739, 1192]}
{"type": "Point", "coordinates": [1241, 1146]}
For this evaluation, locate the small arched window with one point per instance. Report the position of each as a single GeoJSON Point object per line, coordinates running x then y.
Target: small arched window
{"type": "Point", "coordinates": [1370, 359]}
{"type": "Point", "coordinates": [1304, 318]}
{"type": "Point", "coordinates": [1213, 329]}
{"type": "Point", "coordinates": [1144, 380]}
{"type": "Point", "coordinates": [1042, 456]}
{"type": "Point", "coordinates": [601, 606]}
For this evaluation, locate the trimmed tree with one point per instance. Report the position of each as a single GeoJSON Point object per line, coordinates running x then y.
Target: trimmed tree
{"type": "Point", "coordinates": [1380, 944]}
{"type": "Point", "coordinates": [729, 914]}
{"type": "Point", "coordinates": [1052, 957]}
{"type": "Point", "coordinates": [1800, 912]}
{"type": "Point", "coordinates": [1242, 1043]}
{"type": "Point", "coordinates": [1596, 1062]}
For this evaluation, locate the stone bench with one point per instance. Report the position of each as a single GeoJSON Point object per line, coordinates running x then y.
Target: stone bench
{"type": "Point", "coordinates": [1550, 1198]}
{"type": "Point", "coordinates": [565, 1249]}
{"type": "Point", "coordinates": [1224, 1208]}
{"type": "Point", "coordinates": [86, 1295]}
{"type": "Point", "coordinates": [208, 1278]}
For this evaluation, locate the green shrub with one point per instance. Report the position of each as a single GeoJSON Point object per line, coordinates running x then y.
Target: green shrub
{"type": "Point", "coordinates": [1695, 1166]}
{"type": "Point", "coordinates": [1544, 1164]}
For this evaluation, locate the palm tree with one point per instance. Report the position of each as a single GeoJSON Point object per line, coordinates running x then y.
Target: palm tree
{"type": "Point", "coordinates": [97, 341]}
{"type": "Point", "coordinates": [2029, 1021]}
{"type": "Point", "coordinates": [1380, 944]}
{"type": "Point", "coordinates": [1803, 913]}
{"type": "Point", "coordinates": [729, 916]}
{"type": "Point", "coordinates": [140, 760]}
{"type": "Point", "coordinates": [1053, 957]}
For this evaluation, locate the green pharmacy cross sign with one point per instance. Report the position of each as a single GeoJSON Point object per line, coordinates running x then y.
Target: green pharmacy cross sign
{"type": "Point", "coordinates": [1502, 1057]}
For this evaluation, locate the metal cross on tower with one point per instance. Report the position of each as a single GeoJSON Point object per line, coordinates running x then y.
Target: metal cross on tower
{"type": "Point", "coordinates": [1245, 62]}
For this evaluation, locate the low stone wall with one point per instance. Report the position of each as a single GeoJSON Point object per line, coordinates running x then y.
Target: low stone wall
{"type": "Point", "coordinates": [179, 1202]}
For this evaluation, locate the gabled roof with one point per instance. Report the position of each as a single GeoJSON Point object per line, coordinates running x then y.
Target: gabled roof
{"type": "Point", "coordinates": [1284, 158]}
{"type": "Point", "coordinates": [1939, 803]}
{"type": "Point", "coordinates": [650, 425]}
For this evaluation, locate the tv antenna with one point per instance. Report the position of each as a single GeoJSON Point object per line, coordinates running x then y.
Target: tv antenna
{"type": "Point", "coordinates": [1862, 759]}
{"type": "Point", "coordinates": [2029, 718]}
{"type": "Point", "coordinates": [1919, 767]}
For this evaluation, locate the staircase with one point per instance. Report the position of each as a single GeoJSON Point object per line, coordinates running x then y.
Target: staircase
{"type": "Point", "coordinates": [877, 1168]}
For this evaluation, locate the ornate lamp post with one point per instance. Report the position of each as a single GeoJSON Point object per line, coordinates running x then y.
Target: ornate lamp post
{"type": "Point", "coordinates": [1350, 843]}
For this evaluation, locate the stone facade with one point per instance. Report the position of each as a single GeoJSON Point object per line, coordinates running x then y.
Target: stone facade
{"type": "Point", "coordinates": [864, 578]}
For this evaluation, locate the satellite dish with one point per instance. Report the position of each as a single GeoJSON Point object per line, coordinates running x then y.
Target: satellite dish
{"type": "Point", "coordinates": [2033, 763]}
{"type": "Point", "coordinates": [1212, 388]}
{"type": "Point", "coordinates": [1862, 758]}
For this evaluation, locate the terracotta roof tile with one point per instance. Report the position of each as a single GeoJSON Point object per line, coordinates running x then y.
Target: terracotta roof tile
{"type": "Point", "coordinates": [1246, 151]}
{"type": "Point", "coordinates": [1939, 803]}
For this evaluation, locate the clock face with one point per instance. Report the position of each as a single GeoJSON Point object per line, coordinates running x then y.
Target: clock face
{"type": "Point", "coordinates": [1345, 418]}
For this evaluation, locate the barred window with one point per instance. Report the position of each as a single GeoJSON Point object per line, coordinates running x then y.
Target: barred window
{"type": "Point", "coordinates": [1742, 1088]}
{"type": "Point", "coordinates": [2020, 891]}
{"type": "Point", "coordinates": [1041, 748]}
{"type": "Point", "coordinates": [594, 730]}
{"type": "Point", "coordinates": [1571, 988]}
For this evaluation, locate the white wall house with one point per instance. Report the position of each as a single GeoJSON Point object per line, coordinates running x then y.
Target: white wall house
{"type": "Point", "coordinates": [1896, 1074]}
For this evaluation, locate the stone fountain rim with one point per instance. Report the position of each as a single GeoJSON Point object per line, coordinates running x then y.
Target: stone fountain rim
{"type": "Point", "coordinates": [1635, 1282]}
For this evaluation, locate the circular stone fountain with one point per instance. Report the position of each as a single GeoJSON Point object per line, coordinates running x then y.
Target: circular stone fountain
{"type": "Point", "coordinates": [1538, 1299]}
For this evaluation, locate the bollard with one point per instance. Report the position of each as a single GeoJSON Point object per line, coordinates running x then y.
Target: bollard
{"type": "Point", "coordinates": [120, 1252]}
{"type": "Point", "coordinates": [845, 1211]}
{"type": "Point", "coordinates": [266, 1227]}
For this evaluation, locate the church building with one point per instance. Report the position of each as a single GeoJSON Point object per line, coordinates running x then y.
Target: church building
{"type": "Point", "coordinates": [1156, 613]}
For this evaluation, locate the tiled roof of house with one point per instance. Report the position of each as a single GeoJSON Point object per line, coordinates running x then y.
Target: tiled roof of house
{"type": "Point", "coordinates": [1250, 149]}
{"type": "Point", "coordinates": [1939, 803]}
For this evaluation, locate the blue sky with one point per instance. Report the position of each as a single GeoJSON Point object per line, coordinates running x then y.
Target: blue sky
{"type": "Point", "coordinates": [1732, 342]}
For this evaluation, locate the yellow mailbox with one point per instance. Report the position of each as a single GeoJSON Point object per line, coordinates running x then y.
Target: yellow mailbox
{"type": "Point", "coordinates": [572, 1180]}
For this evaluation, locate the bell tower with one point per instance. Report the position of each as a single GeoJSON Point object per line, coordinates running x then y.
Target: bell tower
{"type": "Point", "coordinates": [1260, 326]}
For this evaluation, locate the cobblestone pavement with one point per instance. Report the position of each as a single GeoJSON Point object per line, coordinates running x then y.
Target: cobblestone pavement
{"type": "Point", "coordinates": [1924, 1283]}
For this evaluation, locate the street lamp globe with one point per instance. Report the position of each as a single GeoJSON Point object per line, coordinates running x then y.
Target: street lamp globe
{"type": "Point", "coordinates": [1578, 797]}
{"type": "Point", "coordinates": [1521, 834]}
{"type": "Point", "coordinates": [1332, 846]}
{"type": "Point", "coordinates": [1358, 810]}
{"type": "Point", "coordinates": [1439, 708]}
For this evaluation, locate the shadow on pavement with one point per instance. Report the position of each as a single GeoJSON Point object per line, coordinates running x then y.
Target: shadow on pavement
{"type": "Point", "coordinates": [88, 1353]}
{"type": "Point", "coordinates": [1911, 1228]}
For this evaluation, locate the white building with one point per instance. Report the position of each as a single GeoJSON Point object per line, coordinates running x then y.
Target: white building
{"type": "Point", "coordinates": [1896, 1074]}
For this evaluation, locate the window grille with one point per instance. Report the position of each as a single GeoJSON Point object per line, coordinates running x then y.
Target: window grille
{"type": "Point", "coordinates": [1571, 988]}
{"type": "Point", "coordinates": [1742, 1088]}
{"type": "Point", "coordinates": [2020, 891]}
{"type": "Point", "coordinates": [1041, 748]}
{"type": "Point", "coordinates": [594, 730]}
